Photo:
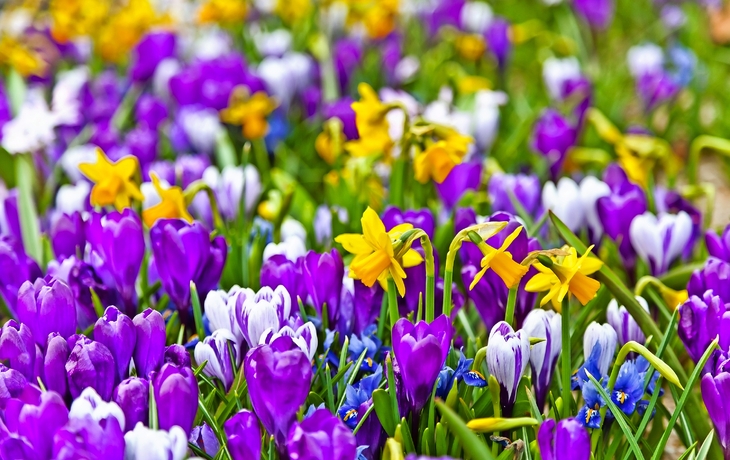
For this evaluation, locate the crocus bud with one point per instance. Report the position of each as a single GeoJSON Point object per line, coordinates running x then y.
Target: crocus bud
{"type": "Point", "coordinates": [278, 376]}
{"type": "Point", "coordinates": [91, 364]}
{"type": "Point", "coordinates": [149, 52]}
{"type": "Point", "coordinates": [89, 438]}
{"type": "Point", "coordinates": [244, 436]}
{"type": "Point", "coordinates": [564, 440]}
{"type": "Point", "coordinates": [508, 353]}
{"type": "Point", "coordinates": [12, 384]}
{"type": "Point", "coordinates": [715, 276]}
{"type": "Point", "coordinates": [623, 323]}
{"type": "Point", "coordinates": [543, 324]}
{"type": "Point", "coordinates": [150, 342]}
{"type": "Point", "coordinates": [177, 354]}
{"type": "Point", "coordinates": [268, 309]}
{"type": "Point", "coordinates": [603, 336]}
{"type": "Point", "coordinates": [659, 241]}
{"type": "Point", "coordinates": [305, 337]}
{"type": "Point", "coordinates": [90, 404]}
{"type": "Point", "coordinates": [525, 189]}
{"type": "Point", "coordinates": [597, 13]}
{"type": "Point", "coordinates": [145, 444]}
{"type": "Point", "coordinates": [133, 396]}
{"type": "Point", "coordinates": [564, 200]}
{"type": "Point", "coordinates": [176, 395]}
{"type": "Point", "coordinates": [719, 245]}
{"type": "Point", "coordinates": [220, 309]}
{"type": "Point", "coordinates": [421, 351]}
{"type": "Point", "coordinates": [54, 365]}
{"type": "Point", "coordinates": [278, 270]}
{"type": "Point", "coordinates": [18, 347]}
{"type": "Point", "coordinates": [221, 352]}
{"type": "Point", "coordinates": [47, 307]}
{"type": "Point", "coordinates": [36, 424]}
{"type": "Point", "coordinates": [321, 436]}
{"type": "Point", "coordinates": [68, 237]}
{"type": "Point", "coordinates": [116, 330]}
{"type": "Point", "coordinates": [323, 280]}
{"type": "Point", "coordinates": [699, 322]}
{"type": "Point", "coordinates": [552, 136]}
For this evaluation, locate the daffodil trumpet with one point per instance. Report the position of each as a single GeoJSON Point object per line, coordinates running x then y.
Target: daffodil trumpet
{"type": "Point", "coordinates": [199, 186]}
{"type": "Point", "coordinates": [485, 230]}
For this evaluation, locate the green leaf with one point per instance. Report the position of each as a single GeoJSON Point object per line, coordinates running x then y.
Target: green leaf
{"type": "Point", "coordinates": [619, 417]}
{"type": "Point", "coordinates": [688, 452]}
{"type": "Point", "coordinates": [98, 307]}
{"type": "Point", "coordinates": [405, 436]}
{"type": "Point", "coordinates": [381, 401]}
{"type": "Point", "coordinates": [469, 440]}
{"type": "Point", "coordinates": [197, 312]}
{"type": "Point", "coordinates": [16, 90]}
{"type": "Point", "coordinates": [25, 175]}
{"type": "Point", "coordinates": [225, 154]}
{"type": "Point", "coordinates": [441, 442]}
{"type": "Point", "coordinates": [705, 449]}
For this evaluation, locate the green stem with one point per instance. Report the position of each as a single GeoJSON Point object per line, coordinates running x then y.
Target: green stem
{"type": "Point", "coordinates": [262, 160]}
{"type": "Point", "coordinates": [198, 186]}
{"type": "Point", "coordinates": [430, 277]}
{"type": "Point", "coordinates": [509, 314]}
{"type": "Point", "coordinates": [393, 302]}
{"type": "Point", "coordinates": [29, 228]}
{"type": "Point", "coordinates": [446, 306]}
{"type": "Point", "coordinates": [565, 367]}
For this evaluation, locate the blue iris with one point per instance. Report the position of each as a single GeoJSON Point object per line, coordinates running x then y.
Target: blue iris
{"type": "Point", "coordinates": [447, 376]}
{"type": "Point", "coordinates": [629, 388]}
{"type": "Point", "coordinates": [357, 394]}
{"type": "Point", "coordinates": [590, 414]}
{"type": "Point", "coordinates": [591, 365]}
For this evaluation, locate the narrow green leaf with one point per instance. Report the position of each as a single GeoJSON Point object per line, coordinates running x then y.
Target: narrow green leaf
{"type": "Point", "coordinates": [405, 434]}
{"type": "Point", "coordinates": [363, 418]}
{"type": "Point", "coordinates": [469, 440]}
{"type": "Point", "coordinates": [29, 227]}
{"type": "Point", "coordinates": [353, 375]}
{"type": "Point", "coordinates": [705, 449]}
{"type": "Point", "coordinates": [16, 90]}
{"type": "Point", "coordinates": [197, 312]}
{"type": "Point", "coordinates": [98, 307]}
{"type": "Point", "coordinates": [381, 402]}
{"type": "Point", "coordinates": [154, 424]}
{"type": "Point", "coordinates": [688, 452]}
{"type": "Point", "coordinates": [441, 442]}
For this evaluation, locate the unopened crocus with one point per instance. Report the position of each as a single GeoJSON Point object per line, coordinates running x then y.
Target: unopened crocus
{"type": "Point", "coordinates": [421, 351]}
{"type": "Point", "coordinates": [54, 364]}
{"type": "Point", "coordinates": [278, 270]}
{"type": "Point", "coordinates": [267, 309]}
{"type": "Point", "coordinates": [507, 356]}
{"type": "Point", "coordinates": [659, 241]}
{"type": "Point", "coordinates": [90, 364]}
{"type": "Point", "coordinates": [117, 331]}
{"type": "Point", "coordinates": [552, 136]}
{"type": "Point", "coordinates": [150, 111]}
{"type": "Point", "coordinates": [12, 384]}
{"type": "Point", "coordinates": [33, 426]}
{"type": "Point", "coordinates": [719, 245]}
{"type": "Point", "coordinates": [220, 309]}
{"type": "Point", "coordinates": [231, 185]}
{"type": "Point", "coordinates": [498, 40]}
{"type": "Point", "coordinates": [133, 396]}
{"type": "Point", "coordinates": [304, 336]}
{"type": "Point", "coordinates": [89, 438]}
{"type": "Point", "coordinates": [16, 267]}
{"type": "Point", "coordinates": [117, 248]}
{"type": "Point", "coordinates": [183, 253]}
{"type": "Point", "coordinates": [604, 337]}
{"type": "Point", "coordinates": [564, 440]}
{"type": "Point", "coordinates": [220, 350]}
{"type": "Point", "coordinates": [564, 201]}
{"type": "Point", "coordinates": [278, 375]}
{"type": "Point", "coordinates": [177, 354]}
{"type": "Point", "coordinates": [716, 394]}
{"type": "Point", "coordinates": [623, 323]}
{"type": "Point", "coordinates": [462, 178]}
{"type": "Point", "coordinates": [244, 436]}
{"type": "Point", "coordinates": [597, 13]}
{"type": "Point", "coordinates": [420, 218]}
{"type": "Point", "coordinates": [546, 325]}
{"type": "Point", "coordinates": [143, 443]}
{"type": "Point", "coordinates": [47, 307]}
{"type": "Point", "coordinates": [321, 436]}
{"type": "Point", "coordinates": [505, 189]}
{"type": "Point", "coordinates": [90, 404]}
{"type": "Point", "coordinates": [68, 236]}
{"type": "Point", "coordinates": [176, 396]}
{"type": "Point", "coordinates": [150, 341]}
{"type": "Point", "coordinates": [323, 281]}
{"type": "Point", "coordinates": [149, 52]}
{"type": "Point", "coordinates": [18, 347]}
{"type": "Point", "coordinates": [700, 322]}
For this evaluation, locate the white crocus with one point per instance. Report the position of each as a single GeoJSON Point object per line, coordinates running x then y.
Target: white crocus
{"type": "Point", "coordinates": [305, 337]}
{"type": "Point", "coordinates": [267, 309]}
{"type": "Point", "coordinates": [72, 198]}
{"type": "Point", "coordinates": [143, 443]}
{"type": "Point", "coordinates": [89, 403]}
{"type": "Point", "coordinates": [660, 240]}
{"type": "Point", "coordinates": [33, 128]}
{"type": "Point", "coordinates": [591, 189]}
{"type": "Point", "coordinates": [555, 72]}
{"type": "Point", "coordinates": [476, 17]}
{"type": "Point", "coordinates": [603, 336]}
{"type": "Point", "coordinates": [565, 201]}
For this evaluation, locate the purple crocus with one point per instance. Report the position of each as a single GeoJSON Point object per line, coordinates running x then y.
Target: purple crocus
{"type": "Point", "coordinates": [55, 377]}
{"type": "Point", "coordinates": [13, 384]}
{"type": "Point", "coordinates": [133, 396]}
{"type": "Point", "coordinates": [321, 436]}
{"type": "Point", "coordinates": [150, 341]}
{"type": "Point", "coordinates": [47, 307]}
{"type": "Point", "coordinates": [117, 248]}
{"type": "Point", "coordinates": [716, 394]}
{"type": "Point", "coordinates": [68, 236]}
{"type": "Point", "coordinates": [220, 350]}
{"type": "Point", "coordinates": [90, 364]}
{"type": "Point", "coordinates": [626, 327]}
{"type": "Point", "coordinates": [347, 54]}
{"type": "Point", "coordinates": [149, 52]}
{"type": "Point", "coordinates": [700, 322]}
{"type": "Point", "coordinates": [498, 39]}
{"type": "Point", "coordinates": [30, 430]}
{"type": "Point", "coordinates": [342, 109]}
{"type": "Point", "coordinates": [507, 356]}
{"type": "Point", "coordinates": [88, 438]}
{"type": "Point", "coordinates": [176, 396]}
{"type": "Point", "coordinates": [563, 440]}
{"type": "Point", "coordinates": [117, 331]}
{"type": "Point", "coordinates": [421, 351]}
{"type": "Point", "coordinates": [719, 245]}
{"type": "Point", "coordinates": [715, 276]}
{"type": "Point", "coordinates": [463, 177]}
{"type": "Point", "coordinates": [150, 111]}
{"type": "Point", "coordinates": [185, 253]}
{"type": "Point", "coordinates": [552, 136]}
{"type": "Point", "coordinates": [244, 436]}
{"type": "Point", "coordinates": [419, 218]}
{"type": "Point", "coordinates": [597, 13]}
{"type": "Point", "coordinates": [18, 347]}
{"type": "Point", "coordinates": [523, 188]}
{"type": "Point", "coordinates": [323, 281]}
{"type": "Point", "coordinates": [279, 375]}
{"type": "Point", "coordinates": [660, 240]}
{"type": "Point", "coordinates": [544, 355]}
{"type": "Point", "coordinates": [267, 309]}
{"type": "Point", "coordinates": [278, 270]}
{"type": "Point", "coordinates": [16, 267]}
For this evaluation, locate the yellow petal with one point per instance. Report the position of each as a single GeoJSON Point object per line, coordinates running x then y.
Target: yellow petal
{"type": "Point", "coordinates": [412, 258]}
{"type": "Point", "coordinates": [372, 227]}
{"type": "Point", "coordinates": [541, 282]}
{"type": "Point", "coordinates": [584, 288]}
{"type": "Point", "coordinates": [354, 243]}
{"type": "Point", "coordinates": [127, 166]}
{"type": "Point", "coordinates": [478, 277]}
{"type": "Point", "coordinates": [510, 239]}
{"type": "Point", "coordinates": [507, 269]}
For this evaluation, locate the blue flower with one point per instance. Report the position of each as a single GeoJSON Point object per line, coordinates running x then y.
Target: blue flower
{"type": "Point", "coordinates": [590, 414]}
{"type": "Point", "coordinates": [591, 365]}
{"type": "Point", "coordinates": [367, 341]}
{"type": "Point", "coordinates": [447, 376]}
{"type": "Point", "coordinates": [629, 388]}
{"type": "Point", "coordinates": [356, 395]}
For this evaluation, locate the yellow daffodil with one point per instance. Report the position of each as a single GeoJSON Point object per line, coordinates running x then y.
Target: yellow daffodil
{"type": "Point", "coordinates": [568, 273]}
{"type": "Point", "coordinates": [375, 254]}
{"type": "Point", "coordinates": [437, 161]}
{"type": "Point", "coordinates": [222, 12]}
{"type": "Point", "coordinates": [249, 112]}
{"type": "Point", "coordinates": [76, 18]}
{"type": "Point", "coordinates": [114, 182]}
{"type": "Point", "coordinates": [671, 297]}
{"type": "Point", "coordinates": [379, 20]}
{"type": "Point", "coordinates": [171, 206]}
{"type": "Point", "coordinates": [372, 124]}
{"type": "Point", "coordinates": [293, 11]}
{"type": "Point", "coordinates": [471, 46]}
{"type": "Point", "coordinates": [124, 29]}
{"type": "Point", "coordinates": [501, 262]}
{"type": "Point", "coordinates": [22, 58]}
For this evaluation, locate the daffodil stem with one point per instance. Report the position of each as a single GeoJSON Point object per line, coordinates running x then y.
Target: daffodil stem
{"type": "Point", "coordinates": [430, 277]}
{"type": "Point", "coordinates": [509, 314]}
{"type": "Point", "coordinates": [566, 365]}
{"type": "Point", "coordinates": [448, 278]}
{"type": "Point", "coordinates": [393, 302]}
{"type": "Point", "coordinates": [198, 186]}
{"type": "Point", "coordinates": [262, 159]}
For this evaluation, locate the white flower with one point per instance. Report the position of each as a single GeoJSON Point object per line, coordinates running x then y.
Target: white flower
{"type": "Point", "coordinates": [66, 103]}
{"type": "Point", "coordinates": [274, 43]}
{"type": "Point", "coordinates": [565, 201]}
{"type": "Point", "coordinates": [292, 228]}
{"type": "Point", "coordinates": [202, 127]}
{"type": "Point", "coordinates": [211, 45]}
{"type": "Point", "coordinates": [220, 309]}
{"type": "Point", "coordinates": [143, 443]}
{"type": "Point", "coordinates": [486, 117]}
{"type": "Point", "coordinates": [292, 248]}
{"type": "Point", "coordinates": [286, 75]}
{"type": "Point", "coordinates": [89, 403]}
{"type": "Point", "coordinates": [267, 309]}
{"type": "Point", "coordinates": [71, 198]}
{"type": "Point", "coordinates": [645, 59]}
{"type": "Point", "coordinates": [544, 324]}
{"type": "Point", "coordinates": [216, 351]}
{"type": "Point", "coordinates": [555, 72]}
{"type": "Point", "coordinates": [305, 337]}
{"type": "Point", "coordinates": [165, 70]}
{"type": "Point", "coordinates": [229, 188]}
{"type": "Point", "coordinates": [406, 68]}
{"type": "Point", "coordinates": [33, 128]}
{"type": "Point", "coordinates": [74, 156]}
{"type": "Point", "coordinates": [605, 337]}
{"type": "Point", "coordinates": [507, 356]}
{"type": "Point", "coordinates": [623, 323]}
{"type": "Point", "coordinates": [659, 241]}
{"type": "Point", "coordinates": [476, 17]}
{"type": "Point", "coordinates": [591, 189]}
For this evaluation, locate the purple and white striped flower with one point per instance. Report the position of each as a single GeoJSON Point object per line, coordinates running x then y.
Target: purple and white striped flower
{"type": "Point", "coordinates": [546, 325]}
{"type": "Point", "coordinates": [267, 309]}
{"type": "Point", "coordinates": [221, 351]}
{"type": "Point", "coordinates": [305, 337]}
{"type": "Point", "coordinates": [623, 323]}
{"type": "Point", "coordinates": [603, 336]}
{"type": "Point", "coordinates": [660, 240]}
{"type": "Point", "coordinates": [507, 356]}
{"type": "Point", "coordinates": [220, 309]}
{"type": "Point", "coordinates": [90, 404]}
